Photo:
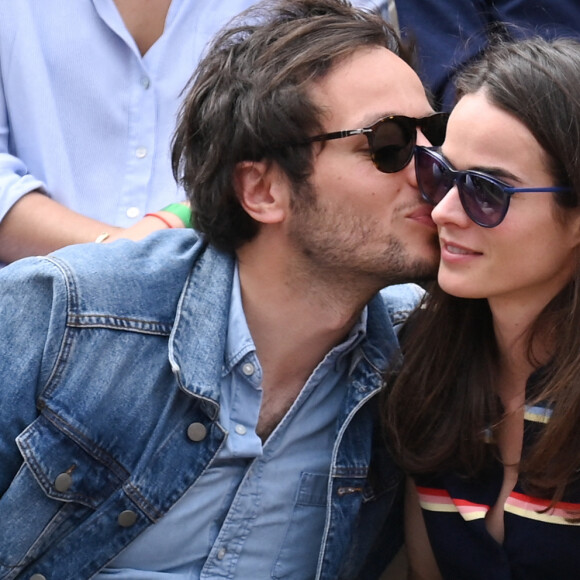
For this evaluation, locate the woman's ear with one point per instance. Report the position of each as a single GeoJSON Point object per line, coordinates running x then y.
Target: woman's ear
{"type": "Point", "coordinates": [262, 190]}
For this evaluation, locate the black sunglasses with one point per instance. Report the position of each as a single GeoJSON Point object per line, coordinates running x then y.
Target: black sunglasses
{"type": "Point", "coordinates": [392, 139]}
{"type": "Point", "coordinates": [485, 199]}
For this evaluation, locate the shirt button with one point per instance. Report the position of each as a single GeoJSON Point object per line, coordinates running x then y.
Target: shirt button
{"type": "Point", "coordinates": [197, 432]}
{"type": "Point", "coordinates": [240, 429]}
{"type": "Point", "coordinates": [141, 152]}
{"type": "Point", "coordinates": [63, 482]}
{"type": "Point", "coordinates": [133, 212]}
{"type": "Point", "coordinates": [127, 518]}
{"type": "Point", "coordinates": [145, 82]}
{"type": "Point", "coordinates": [221, 554]}
{"type": "Point", "coordinates": [248, 369]}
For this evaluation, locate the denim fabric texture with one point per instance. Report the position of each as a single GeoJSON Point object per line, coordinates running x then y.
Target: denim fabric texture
{"type": "Point", "coordinates": [110, 365]}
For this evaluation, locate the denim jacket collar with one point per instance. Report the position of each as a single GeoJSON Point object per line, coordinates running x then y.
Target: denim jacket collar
{"type": "Point", "coordinates": [197, 341]}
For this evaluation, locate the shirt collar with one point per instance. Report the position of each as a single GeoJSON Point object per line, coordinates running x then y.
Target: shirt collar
{"type": "Point", "coordinates": [239, 341]}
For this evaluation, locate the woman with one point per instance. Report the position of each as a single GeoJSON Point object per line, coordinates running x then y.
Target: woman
{"type": "Point", "coordinates": [485, 412]}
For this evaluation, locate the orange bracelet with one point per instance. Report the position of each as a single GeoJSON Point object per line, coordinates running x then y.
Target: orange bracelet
{"type": "Point", "coordinates": [160, 217]}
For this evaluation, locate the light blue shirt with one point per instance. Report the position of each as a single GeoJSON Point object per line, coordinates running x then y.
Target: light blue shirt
{"type": "Point", "coordinates": [83, 115]}
{"type": "Point", "coordinates": [259, 510]}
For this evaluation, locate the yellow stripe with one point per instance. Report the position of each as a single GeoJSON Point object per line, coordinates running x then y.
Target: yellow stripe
{"type": "Point", "coordinates": [437, 507]}
{"type": "Point", "coordinates": [540, 415]}
{"type": "Point", "coordinates": [536, 417]}
{"type": "Point", "coordinates": [475, 515]}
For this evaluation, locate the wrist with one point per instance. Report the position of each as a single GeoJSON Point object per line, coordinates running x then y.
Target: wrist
{"type": "Point", "coordinates": [180, 211]}
{"type": "Point", "coordinates": [169, 220]}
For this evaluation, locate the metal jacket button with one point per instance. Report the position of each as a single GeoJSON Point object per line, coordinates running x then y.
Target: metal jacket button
{"type": "Point", "coordinates": [63, 482]}
{"type": "Point", "coordinates": [197, 431]}
{"type": "Point", "coordinates": [127, 518]}
{"type": "Point", "coordinates": [38, 577]}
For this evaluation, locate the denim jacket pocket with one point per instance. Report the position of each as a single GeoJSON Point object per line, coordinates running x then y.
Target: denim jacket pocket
{"type": "Point", "coordinates": [63, 479]}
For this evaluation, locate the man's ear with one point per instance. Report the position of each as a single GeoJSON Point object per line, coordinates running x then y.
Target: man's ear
{"type": "Point", "coordinates": [262, 191]}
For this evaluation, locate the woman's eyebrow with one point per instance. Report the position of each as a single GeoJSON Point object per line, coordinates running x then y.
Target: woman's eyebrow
{"type": "Point", "coordinates": [497, 172]}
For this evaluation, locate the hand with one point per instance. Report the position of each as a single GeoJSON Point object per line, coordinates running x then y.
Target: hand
{"type": "Point", "coordinates": [159, 220]}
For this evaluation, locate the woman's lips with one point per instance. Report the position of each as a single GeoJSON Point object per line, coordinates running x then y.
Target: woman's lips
{"type": "Point", "coordinates": [453, 251]}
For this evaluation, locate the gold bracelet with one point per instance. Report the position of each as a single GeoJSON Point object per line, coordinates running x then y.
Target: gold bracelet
{"type": "Point", "coordinates": [102, 237]}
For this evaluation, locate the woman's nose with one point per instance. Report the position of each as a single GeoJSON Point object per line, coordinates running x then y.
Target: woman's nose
{"type": "Point", "coordinates": [450, 210]}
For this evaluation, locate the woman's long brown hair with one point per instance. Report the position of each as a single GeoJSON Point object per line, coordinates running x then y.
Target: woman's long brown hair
{"type": "Point", "coordinates": [441, 403]}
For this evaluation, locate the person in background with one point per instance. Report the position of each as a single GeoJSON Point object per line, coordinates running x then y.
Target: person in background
{"type": "Point", "coordinates": [484, 412]}
{"type": "Point", "coordinates": [449, 34]}
{"type": "Point", "coordinates": [89, 94]}
{"type": "Point", "coordinates": [88, 100]}
{"type": "Point", "coordinates": [205, 405]}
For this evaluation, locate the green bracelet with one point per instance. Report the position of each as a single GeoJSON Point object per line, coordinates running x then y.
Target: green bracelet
{"type": "Point", "coordinates": [183, 212]}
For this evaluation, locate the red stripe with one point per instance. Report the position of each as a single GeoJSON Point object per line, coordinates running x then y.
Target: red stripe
{"type": "Point", "coordinates": [433, 491]}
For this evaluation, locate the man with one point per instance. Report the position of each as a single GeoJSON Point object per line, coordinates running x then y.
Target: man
{"type": "Point", "coordinates": [203, 407]}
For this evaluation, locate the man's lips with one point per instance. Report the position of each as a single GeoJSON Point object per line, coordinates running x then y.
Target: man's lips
{"type": "Point", "coordinates": [422, 214]}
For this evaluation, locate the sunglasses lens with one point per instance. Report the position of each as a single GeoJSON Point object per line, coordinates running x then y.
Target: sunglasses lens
{"type": "Point", "coordinates": [433, 178]}
{"type": "Point", "coordinates": [484, 201]}
{"type": "Point", "coordinates": [434, 128]}
{"type": "Point", "coordinates": [393, 143]}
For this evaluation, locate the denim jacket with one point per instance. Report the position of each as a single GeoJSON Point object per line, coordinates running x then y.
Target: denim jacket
{"type": "Point", "coordinates": [110, 362]}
